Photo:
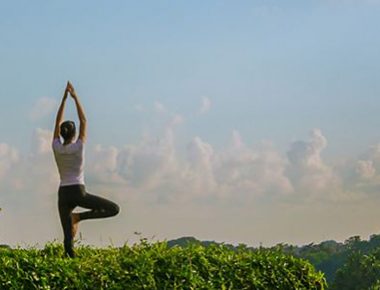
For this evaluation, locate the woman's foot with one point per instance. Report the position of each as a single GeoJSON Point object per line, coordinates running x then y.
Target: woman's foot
{"type": "Point", "coordinates": [75, 221]}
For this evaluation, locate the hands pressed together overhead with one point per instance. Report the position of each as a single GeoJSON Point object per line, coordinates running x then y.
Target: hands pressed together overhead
{"type": "Point", "coordinates": [82, 118]}
{"type": "Point", "coordinates": [70, 89]}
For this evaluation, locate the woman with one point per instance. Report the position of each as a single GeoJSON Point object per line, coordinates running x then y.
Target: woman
{"type": "Point", "coordinates": [69, 157]}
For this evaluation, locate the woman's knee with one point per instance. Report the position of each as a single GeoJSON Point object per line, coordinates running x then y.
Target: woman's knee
{"type": "Point", "coordinates": [115, 209]}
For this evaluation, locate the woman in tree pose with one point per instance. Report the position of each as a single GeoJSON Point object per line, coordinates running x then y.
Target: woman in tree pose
{"type": "Point", "coordinates": [69, 157]}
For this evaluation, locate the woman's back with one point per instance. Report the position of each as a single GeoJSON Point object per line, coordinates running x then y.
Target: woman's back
{"type": "Point", "coordinates": [70, 161]}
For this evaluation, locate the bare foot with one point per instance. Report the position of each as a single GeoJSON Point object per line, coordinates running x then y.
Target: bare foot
{"type": "Point", "coordinates": [75, 221]}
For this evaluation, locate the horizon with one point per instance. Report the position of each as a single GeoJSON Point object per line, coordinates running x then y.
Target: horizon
{"type": "Point", "coordinates": [253, 123]}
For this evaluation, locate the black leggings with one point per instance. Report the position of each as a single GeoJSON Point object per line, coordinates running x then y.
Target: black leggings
{"type": "Point", "coordinates": [72, 196]}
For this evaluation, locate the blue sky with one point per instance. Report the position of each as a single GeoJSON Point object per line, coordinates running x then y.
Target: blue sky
{"type": "Point", "coordinates": [261, 61]}
{"type": "Point", "coordinates": [219, 95]}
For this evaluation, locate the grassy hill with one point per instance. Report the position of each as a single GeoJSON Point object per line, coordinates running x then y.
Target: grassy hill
{"type": "Point", "coordinates": [156, 266]}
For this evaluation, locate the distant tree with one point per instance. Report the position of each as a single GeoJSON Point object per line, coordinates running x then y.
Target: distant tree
{"type": "Point", "coordinates": [359, 272]}
{"type": "Point", "coordinates": [327, 257]}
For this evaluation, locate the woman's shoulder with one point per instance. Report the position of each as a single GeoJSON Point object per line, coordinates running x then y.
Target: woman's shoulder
{"type": "Point", "coordinates": [56, 142]}
{"type": "Point", "coordinates": [76, 146]}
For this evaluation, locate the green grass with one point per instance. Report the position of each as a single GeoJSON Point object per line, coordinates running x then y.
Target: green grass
{"type": "Point", "coordinates": [155, 266]}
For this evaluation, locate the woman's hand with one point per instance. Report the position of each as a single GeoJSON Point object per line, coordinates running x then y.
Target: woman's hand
{"type": "Point", "coordinates": [66, 92]}
{"type": "Point", "coordinates": [71, 90]}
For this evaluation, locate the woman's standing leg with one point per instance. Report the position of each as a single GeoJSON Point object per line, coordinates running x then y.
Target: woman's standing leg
{"type": "Point", "coordinates": [66, 205]}
{"type": "Point", "coordinates": [66, 220]}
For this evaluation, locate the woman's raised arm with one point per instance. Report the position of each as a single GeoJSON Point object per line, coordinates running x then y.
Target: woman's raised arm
{"type": "Point", "coordinates": [60, 113]}
{"type": "Point", "coordinates": [80, 111]}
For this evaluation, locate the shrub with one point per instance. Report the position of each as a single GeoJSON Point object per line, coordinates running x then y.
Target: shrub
{"type": "Point", "coordinates": [155, 266]}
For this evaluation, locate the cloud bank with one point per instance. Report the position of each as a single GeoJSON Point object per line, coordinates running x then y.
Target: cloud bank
{"type": "Point", "coordinates": [156, 170]}
{"type": "Point", "coordinates": [153, 169]}
{"type": "Point", "coordinates": [159, 178]}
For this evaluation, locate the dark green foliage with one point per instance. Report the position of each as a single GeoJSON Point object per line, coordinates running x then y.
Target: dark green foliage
{"type": "Point", "coordinates": [156, 266]}
{"type": "Point", "coordinates": [329, 256]}
{"type": "Point", "coordinates": [359, 272]}
{"type": "Point", "coordinates": [352, 257]}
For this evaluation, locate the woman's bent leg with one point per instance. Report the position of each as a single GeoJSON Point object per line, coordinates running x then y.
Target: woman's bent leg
{"type": "Point", "coordinates": [100, 207]}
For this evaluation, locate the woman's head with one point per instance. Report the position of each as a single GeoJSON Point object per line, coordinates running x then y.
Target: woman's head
{"type": "Point", "coordinates": [67, 130]}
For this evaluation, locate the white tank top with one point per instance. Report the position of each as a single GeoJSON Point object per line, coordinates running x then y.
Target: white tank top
{"type": "Point", "coordinates": [70, 161]}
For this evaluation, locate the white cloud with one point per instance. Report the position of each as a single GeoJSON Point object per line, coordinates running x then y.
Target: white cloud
{"type": "Point", "coordinates": [365, 169]}
{"type": "Point", "coordinates": [39, 172]}
{"type": "Point", "coordinates": [9, 156]}
{"type": "Point", "coordinates": [144, 165]}
{"type": "Point", "coordinates": [176, 120]}
{"type": "Point", "coordinates": [306, 154]}
{"type": "Point", "coordinates": [246, 173]}
{"type": "Point", "coordinates": [41, 141]}
{"type": "Point", "coordinates": [140, 167]}
{"type": "Point", "coordinates": [159, 107]}
{"type": "Point", "coordinates": [43, 107]}
{"type": "Point", "coordinates": [362, 178]}
{"type": "Point", "coordinates": [307, 171]}
{"type": "Point", "coordinates": [205, 105]}
{"type": "Point", "coordinates": [200, 173]}
{"type": "Point", "coordinates": [102, 164]}
{"type": "Point", "coordinates": [32, 179]}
